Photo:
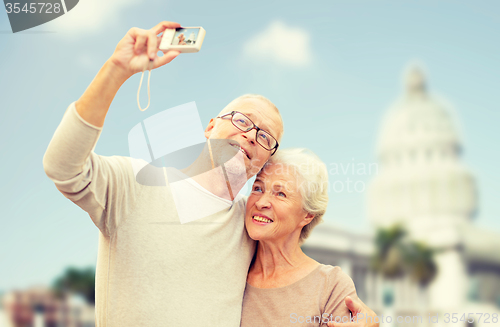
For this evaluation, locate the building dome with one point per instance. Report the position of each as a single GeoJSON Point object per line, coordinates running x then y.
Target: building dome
{"type": "Point", "coordinates": [417, 122]}
{"type": "Point", "coordinates": [421, 181]}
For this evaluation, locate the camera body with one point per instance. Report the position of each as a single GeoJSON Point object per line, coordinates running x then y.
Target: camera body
{"type": "Point", "coordinates": [183, 39]}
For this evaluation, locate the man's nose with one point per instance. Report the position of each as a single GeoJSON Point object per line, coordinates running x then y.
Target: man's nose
{"type": "Point", "coordinates": [251, 136]}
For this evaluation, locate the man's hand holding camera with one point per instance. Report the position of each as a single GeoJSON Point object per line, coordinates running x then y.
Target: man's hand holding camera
{"type": "Point", "coordinates": [132, 55]}
{"type": "Point", "coordinates": [138, 47]}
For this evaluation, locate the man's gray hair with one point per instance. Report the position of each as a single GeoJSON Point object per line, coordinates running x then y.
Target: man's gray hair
{"type": "Point", "coordinates": [312, 178]}
{"type": "Point", "coordinates": [257, 97]}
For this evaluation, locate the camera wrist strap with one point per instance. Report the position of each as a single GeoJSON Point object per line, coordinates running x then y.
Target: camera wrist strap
{"type": "Point", "coordinates": [149, 67]}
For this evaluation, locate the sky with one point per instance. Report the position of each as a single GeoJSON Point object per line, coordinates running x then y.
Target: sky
{"type": "Point", "coordinates": [333, 68]}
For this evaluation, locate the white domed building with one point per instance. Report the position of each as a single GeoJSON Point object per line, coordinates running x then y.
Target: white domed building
{"type": "Point", "coordinates": [422, 185]}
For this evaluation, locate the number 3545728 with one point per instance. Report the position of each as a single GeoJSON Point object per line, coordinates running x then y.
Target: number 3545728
{"type": "Point", "coordinates": [33, 8]}
{"type": "Point", "coordinates": [471, 317]}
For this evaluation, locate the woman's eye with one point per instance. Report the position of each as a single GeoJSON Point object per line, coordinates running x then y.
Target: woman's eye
{"type": "Point", "coordinates": [282, 194]}
{"type": "Point", "coordinates": [257, 189]}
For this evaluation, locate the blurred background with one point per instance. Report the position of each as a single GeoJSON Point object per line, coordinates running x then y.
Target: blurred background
{"type": "Point", "coordinates": [397, 98]}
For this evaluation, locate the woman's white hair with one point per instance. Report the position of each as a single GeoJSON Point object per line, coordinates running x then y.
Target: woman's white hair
{"type": "Point", "coordinates": [312, 178]}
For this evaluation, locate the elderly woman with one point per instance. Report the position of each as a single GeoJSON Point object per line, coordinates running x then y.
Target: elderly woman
{"type": "Point", "coordinates": [285, 287]}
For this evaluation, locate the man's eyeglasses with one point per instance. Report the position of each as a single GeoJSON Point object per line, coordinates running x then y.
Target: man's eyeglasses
{"type": "Point", "coordinates": [245, 124]}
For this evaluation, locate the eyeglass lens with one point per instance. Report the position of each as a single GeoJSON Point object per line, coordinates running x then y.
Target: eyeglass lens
{"type": "Point", "coordinates": [245, 124]}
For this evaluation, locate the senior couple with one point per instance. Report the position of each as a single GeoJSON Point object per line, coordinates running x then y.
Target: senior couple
{"type": "Point", "coordinates": [241, 266]}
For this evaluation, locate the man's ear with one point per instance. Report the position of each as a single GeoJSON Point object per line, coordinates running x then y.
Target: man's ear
{"type": "Point", "coordinates": [209, 128]}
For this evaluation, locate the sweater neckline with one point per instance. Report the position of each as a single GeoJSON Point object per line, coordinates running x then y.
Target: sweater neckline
{"type": "Point", "coordinates": [309, 275]}
{"type": "Point", "coordinates": [201, 188]}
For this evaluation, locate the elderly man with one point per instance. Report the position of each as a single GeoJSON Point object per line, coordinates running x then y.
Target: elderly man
{"type": "Point", "coordinates": [151, 269]}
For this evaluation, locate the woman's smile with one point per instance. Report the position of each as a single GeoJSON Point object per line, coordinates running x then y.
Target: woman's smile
{"type": "Point", "coordinates": [262, 220]}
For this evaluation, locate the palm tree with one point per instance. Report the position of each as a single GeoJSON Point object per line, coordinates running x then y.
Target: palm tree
{"type": "Point", "coordinates": [396, 255]}
{"type": "Point", "coordinates": [420, 261]}
{"type": "Point", "coordinates": [388, 258]}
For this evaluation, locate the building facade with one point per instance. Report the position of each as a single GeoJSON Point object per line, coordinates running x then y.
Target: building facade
{"type": "Point", "coordinates": [423, 186]}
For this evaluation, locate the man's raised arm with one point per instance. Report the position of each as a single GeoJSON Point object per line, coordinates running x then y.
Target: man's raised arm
{"type": "Point", "coordinates": [103, 186]}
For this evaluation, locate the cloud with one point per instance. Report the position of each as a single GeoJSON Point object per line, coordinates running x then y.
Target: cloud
{"type": "Point", "coordinates": [280, 44]}
{"type": "Point", "coordinates": [89, 16]}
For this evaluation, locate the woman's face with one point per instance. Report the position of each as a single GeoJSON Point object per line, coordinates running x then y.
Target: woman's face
{"type": "Point", "coordinates": [274, 208]}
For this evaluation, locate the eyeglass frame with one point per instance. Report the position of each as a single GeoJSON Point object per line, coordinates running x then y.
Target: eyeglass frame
{"type": "Point", "coordinates": [257, 128]}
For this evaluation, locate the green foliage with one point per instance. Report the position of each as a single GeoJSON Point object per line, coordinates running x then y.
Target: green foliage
{"type": "Point", "coordinates": [396, 255]}
{"type": "Point", "coordinates": [388, 257]}
{"type": "Point", "coordinates": [80, 281]}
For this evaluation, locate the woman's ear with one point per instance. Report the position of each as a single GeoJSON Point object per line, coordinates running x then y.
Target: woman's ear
{"type": "Point", "coordinates": [209, 128]}
{"type": "Point", "coordinates": [307, 219]}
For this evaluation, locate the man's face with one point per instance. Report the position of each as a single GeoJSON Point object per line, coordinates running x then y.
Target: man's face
{"type": "Point", "coordinates": [262, 115]}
